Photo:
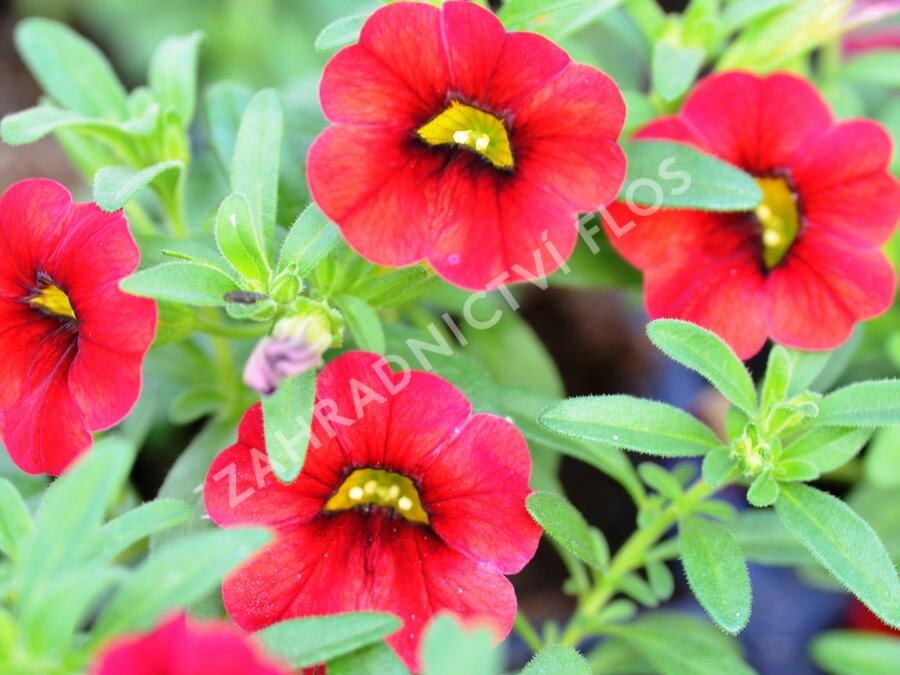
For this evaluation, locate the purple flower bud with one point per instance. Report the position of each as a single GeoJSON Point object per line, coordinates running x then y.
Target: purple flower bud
{"type": "Point", "coordinates": [277, 358]}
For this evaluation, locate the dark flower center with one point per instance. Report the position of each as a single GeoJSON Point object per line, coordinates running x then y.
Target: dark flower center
{"type": "Point", "coordinates": [476, 130]}
{"type": "Point", "coordinates": [779, 219]}
{"type": "Point", "coordinates": [381, 488]}
{"type": "Point", "coordinates": [51, 299]}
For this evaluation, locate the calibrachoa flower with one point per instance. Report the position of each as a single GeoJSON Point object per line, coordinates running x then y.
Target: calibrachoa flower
{"type": "Point", "coordinates": [407, 503]}
{"type": "Point", "coordinates": [456, 142]}
{"type": "Point", "coordinates": [805, 265]}
{"type": "Point", "coordinates": [71, 343]}
{"type": "Point", "coordinates": [179, 646]}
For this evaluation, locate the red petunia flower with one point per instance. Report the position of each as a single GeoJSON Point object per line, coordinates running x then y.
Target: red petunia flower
{"type": "Point", "coordinates": [407, 504]}
{"type": "Point", "coordinates": [455, 142]}
{"type": "Point", "coordinates": [182, 647]}
{"type": "Point", "coordinates": [71, 343]}
{"type": "Point", "coordinates": [805, 265]}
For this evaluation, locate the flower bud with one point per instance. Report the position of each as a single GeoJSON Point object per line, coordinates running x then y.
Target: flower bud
{"type": "Point", "coordinates": [287, 285]}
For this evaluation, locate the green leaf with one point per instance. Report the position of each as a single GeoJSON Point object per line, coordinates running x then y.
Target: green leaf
{"type": "Point", "coordinates": [33, 124]}
{"type": "Point", "coordinates": [287, 416]}
{"type": "Point", "coordinates": [182, 282]}
{"type": "Point", "coordinates": [845, 545]}
{"type": "Point", "coordinates": [717, 466]}
{"type": "Point", "coordinates": [632, 423]}
{"type": "Point", "coordinates": [224, 105]}
{"type": "Point", "coordinates": [676, 176]}
{"type": "Point", "coordinates": [449, 650]}
{"type": "Point", "coordinates": [70, 69]}
{"type": "Point", "coordinates": [674, 69]}
{"type": "Point", "coordinates": [176, 576]}
{"type": "Point", "coordinates": [827, 448]}
{"type": "Point", "coordinates": [703, 351]}
{"type": "Point", "coordinates": [676, 644]}
{"type": "Point", "coordinates": [852, 652]}
{"type": "Point", "coordinates": [743, 12]}
{"type": "Point", "coordinates": [763, 490]}
{"type": "Point", "coordinates": [238, 240]}
{"type": "Point", "coordinates": [63, 535]}
{"type": "Point", "coordinates": [363, 322]}
{"type": "Point", "coordinates": [661, 581]}
{"type": "Point", "coordinates": [873, 403]}
{"type": "Point", "coordinates": [660, 480]}
{"type": "Point", "coordinates": [764, 539]}
{"type": "Point", "coordinates": [173, 73]}
{"type": "Point", "coordinates": [115, 186]}
{"type": "Point", "coordinates": [174, 323]}
{"type": "Point", "coordinates": [882, 460]}
{"type": "Point", "coordinates": [796, 470]}
{"type": "Point", "coordinates": [15, 519]}
{"type": "Point", "coordinates": [195, 402]}
{"type": "Point", "coordinates": [804, 368]}
{"type": "Point", "coordinates": [254, 168]}
{"type": "Point", "coordinates": [716, 571]}
{"type": "Point", "coordinates": [880, 67]}
{"type": "Point", "coordinates": [312, 237]}
{"type": "Point", "coordinates": [778, 377]}
{"type": "Point", "coordinates": [54, 612]}
{"type": "Point", "coordinates": [562, 521]}
{"type": "Point", "coordinates": [376, 658]}
{"type": "Point", "coordinates": [395, 287]}
{"type": "Point", "coordinates": [147, 519]}
{"type": "Point", "coordinates": [556, 660]}
{"type": "Point", "coordinates": [313, 640]}
{"type": "Point", "coordinates": [345, 31]}
{"type": "Point", "coordinates": [638, 590]}
{"type": "Point", "coordinates": [553, 18]}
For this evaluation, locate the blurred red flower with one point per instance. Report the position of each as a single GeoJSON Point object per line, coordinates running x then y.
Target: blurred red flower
{"type": "Point", "coordinates": [407, 503]}
{"type": "Point", "coordinates": [182, 647]}
{"type": "Point", "coordinates": [71, 343]}
{"type": "Point", "coordinates": [805, 265]}
{"type": "Point", "coordinates": [456, 142]}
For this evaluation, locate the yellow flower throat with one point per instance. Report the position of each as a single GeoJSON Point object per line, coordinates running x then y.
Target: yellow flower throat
{"type": "Point", "coordinates": [53, 300]}
{"type": "Point", "coordinates": [471, 128]}
{"type": "Point", "coordinates": [778, 217]}
{"type": "Point", "coordinates": [381, 488]}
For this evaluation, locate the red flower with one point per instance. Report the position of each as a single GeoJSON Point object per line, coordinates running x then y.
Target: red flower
{"type": "Point", "coordinates": [805, 265]}
{"type": "Point", "coordinates": [180, 647]}
{"type": "Point", "coordinates": [456, 142]}
{"type": "Point", "coordinates": [71, 343]}
{"type": "Point", "coordinates": [407, 504]}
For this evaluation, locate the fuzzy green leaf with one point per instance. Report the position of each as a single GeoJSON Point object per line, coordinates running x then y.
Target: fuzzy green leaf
{"type": "Point", "coordinates": [717, 466]}
{"type": "Point", "coordinates": [376, 658]}
{"type": "Point", "coordinates": [674, 69]}
{"type": "Point", "coordinates": [287, 417]}
{"type": "Point", "coordinates": [238, 240]}
{"type": "Point", "coordinates": [173, 73]}
{"type": "Point", "coordinates": [660, 480]}
{"type": "Point", "coordinates": [633, 423]}
{"type": "Point", "coordinates": [201, 560]}
{"type": "Point", "coordinates": [684, 178]}
{"type": "Point", "coordinates": [363, 322]}
{"type": "Point", "coordinates": [763, 490]}
{"type": "Point", "coordinates": [555, 660]}
{"type": "Point", "coordinates": [340, 33]}
{"type": "Point", "coordinates": [312, 237]}
{"type": "Point", "coordinates": [778, 377]}
{"type": "Point", "coordinates": [449, 650]}
{"type": "Point", "coordinates": [716, 571]}
{"type": "Point", "coordinates": [845, 545]}
{"type": "Point", "coordinates": [852, 652]}
{"type": "Point", "coordinates": [141, 522]}
{"type": "Point", "coordinates": [70, 69]}
{"type": "Point", "coordinates": [185, 283]}
{"type": "Point", "coordinates": [312, 640]}
{"type": "Point", "coordinates": [705, 352]}
{"type": "Point", "coordinates": [873, 403]}
{"type": "Point", "coordinates": [15, 519]}
{"type": "Point", "coordinates": [827, 447]}
{"type": "Point", "coordinates": [115, 186]}
{"type": "Point", "coordinates": [562, 521]}
{"type": "Point", "coordinates": [33, 124]}
{"type": "Point", "coordinates": [254, 167]}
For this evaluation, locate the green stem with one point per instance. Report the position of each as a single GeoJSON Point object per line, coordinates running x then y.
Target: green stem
{"type": "Point", "coordinates": [526, 631]}
{"type": "Point", "coordinates": [630, 557]}
{"type": "Point", "coordinates": [231, 330]}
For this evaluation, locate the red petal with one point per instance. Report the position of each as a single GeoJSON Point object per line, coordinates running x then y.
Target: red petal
{"type": "Point", "coordinates": [844, 185]}
{"type": "Point", "coordinates": [21, 330]}
{"type": "Point", "coordinates": [482, 474]}
{"type": "Point", "coordinates": [671, 129]}
{"type": "Point", "coordinates": [44, 430]}
{"type": "Point", "coordinates": [473, 39]}
{"type": "Point", "coordinates": [406, 37]}
{"type": "Point", "coordinates": [359, 88]}
{"type": "Point", "coordinates": [367, 561]}
{"type": "Point", "coordinates": [822, 288]}
{"type": "Point", "coordinates": [34, 216]}
{"type": "Point", "coordinates": [756, 123]}
{"type": "Point", "coordinates": [527, 62]}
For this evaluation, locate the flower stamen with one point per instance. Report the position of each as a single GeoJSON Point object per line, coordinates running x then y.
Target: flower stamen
{"type": "Point", "coordinates": [381, 488]}
{"type": "Point", "coordinates": [53, 300]}
{"type": "Point", "coordinates": [470, 128]}
{"type": "Point", "coordinates": [778, 217]}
